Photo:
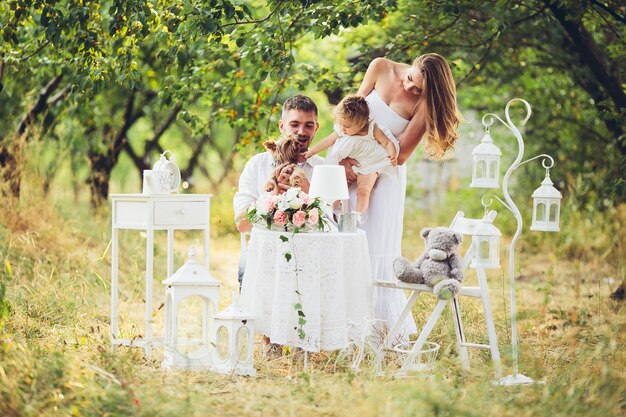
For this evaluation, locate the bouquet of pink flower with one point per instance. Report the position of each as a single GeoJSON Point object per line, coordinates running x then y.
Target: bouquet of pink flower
{"type": "Point", "coordinates": [292, 211]}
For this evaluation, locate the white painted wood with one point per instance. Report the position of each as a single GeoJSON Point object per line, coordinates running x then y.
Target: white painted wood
{"type": "Point", "coordinates": [462, 225]}
{"type": "Point", "coordinates": [174, 213]}
{"type": "Point", "coordinates": [152, 213]}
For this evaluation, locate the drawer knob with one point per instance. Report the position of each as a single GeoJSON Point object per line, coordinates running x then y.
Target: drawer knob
{"type": "Point", "coordinates": [180, 211]}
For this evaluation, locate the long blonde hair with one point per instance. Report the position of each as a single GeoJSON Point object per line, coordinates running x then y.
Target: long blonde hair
{"type": "Point", "coordinates": [439, 94]}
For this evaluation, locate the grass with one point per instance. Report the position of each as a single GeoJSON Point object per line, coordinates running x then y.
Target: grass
{"type": "Point", "coordinates": [55, 356]}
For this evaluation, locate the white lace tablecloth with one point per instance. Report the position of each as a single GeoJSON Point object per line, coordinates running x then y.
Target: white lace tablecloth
{"type": "Point", "coordinates": [328, 274]}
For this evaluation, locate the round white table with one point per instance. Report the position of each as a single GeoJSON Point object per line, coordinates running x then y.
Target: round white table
{"type": "Point", "coordinates": [327, 273]}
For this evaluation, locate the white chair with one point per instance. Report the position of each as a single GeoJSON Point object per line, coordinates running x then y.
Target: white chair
{"type": "Point", "coordinates": [467, 227]}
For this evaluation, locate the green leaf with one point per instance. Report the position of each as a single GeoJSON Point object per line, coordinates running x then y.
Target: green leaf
{"type": "Point", "coordinates": [284, 238]}
{"type": "Point", "coordinates": [8, 269]}
{"type": "Point", "coordinates": [287, 256]}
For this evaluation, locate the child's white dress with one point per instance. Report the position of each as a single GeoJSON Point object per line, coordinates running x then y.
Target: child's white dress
{"type": "Point", "coordinates": [371, 155]}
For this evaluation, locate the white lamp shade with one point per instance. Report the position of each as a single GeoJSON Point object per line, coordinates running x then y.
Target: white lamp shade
{"type": "Point", "coordinates": [329, 183]}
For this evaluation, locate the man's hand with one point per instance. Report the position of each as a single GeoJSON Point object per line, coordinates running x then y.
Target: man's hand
{"type": "Point", "coordinates": [348, 163]}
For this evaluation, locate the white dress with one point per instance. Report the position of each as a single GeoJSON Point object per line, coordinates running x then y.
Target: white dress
{"type": "Point", "coordinates": [384, 223]}
{"type": "Point", "coordinates": [371, 155]}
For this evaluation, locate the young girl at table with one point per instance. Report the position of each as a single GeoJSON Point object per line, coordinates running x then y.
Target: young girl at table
{"type": "Point", "coordinates": [362, 139]}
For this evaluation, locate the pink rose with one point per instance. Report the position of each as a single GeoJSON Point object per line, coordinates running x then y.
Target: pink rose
{"type": "Point", "coordinates": [305, 197]}
{"type": "Point", "coordinates": [298, 218]}
{"type": "Point", "coordinates": [314, 216]}
{"type": "Point", "coordinates": [280, 217]}
{"type": "Point", "coordinates": [270, 203]}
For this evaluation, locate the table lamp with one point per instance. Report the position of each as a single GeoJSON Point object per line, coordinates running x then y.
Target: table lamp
{"type": "Point", "coordinates": [329, 183]}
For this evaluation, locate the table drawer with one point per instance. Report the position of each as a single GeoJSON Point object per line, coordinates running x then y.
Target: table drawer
{"type": "Point", "coordinates": [132, 214]}
{"type": "Point", "coordinates": [186, 213]}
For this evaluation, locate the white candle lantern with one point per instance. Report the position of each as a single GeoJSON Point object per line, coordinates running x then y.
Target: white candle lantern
{"type": "Point", "coordinates": [486, 164]}
{"type": "Point", "coordinates": [191, 281]}
{"type": "Point", "coordinates": [486, 242]}
{"type": "Point", "coordinates": [234, 338]}
{"type": "Point", "coordinates": [546, 207]}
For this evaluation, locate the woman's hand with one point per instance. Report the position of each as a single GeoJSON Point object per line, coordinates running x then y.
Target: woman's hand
{"type": "Point", "coordinates": [306, 155]}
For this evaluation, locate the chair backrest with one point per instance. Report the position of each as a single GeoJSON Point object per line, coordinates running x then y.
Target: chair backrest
{"type": "Point", "coordinates": [465, 226]}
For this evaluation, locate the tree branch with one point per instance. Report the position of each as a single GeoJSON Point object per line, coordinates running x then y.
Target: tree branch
{"type": "Point", "coordinates": [39, 106]}
{"type": "Point", "coordinates": [254, 22]}
{"type": "Point", "coordinates": [589, 54]}
{"type": "Point", "coordinates": [59, 96]}
{"type": "Point", "coordinates": [154, 141]}
{"type": "Point", "coordinates": [608, 10]}
{"type": "Point", "coordinates": [36, 52]}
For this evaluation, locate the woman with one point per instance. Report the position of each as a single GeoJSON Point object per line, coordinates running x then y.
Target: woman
{"type": "Point", "coordinates": [413, 101]}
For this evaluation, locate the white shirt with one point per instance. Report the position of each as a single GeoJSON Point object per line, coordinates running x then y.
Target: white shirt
{"type": "Point", "coordinates": [257, 173]}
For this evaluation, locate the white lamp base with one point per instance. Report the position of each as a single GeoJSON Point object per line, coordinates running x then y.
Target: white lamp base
{"type": "Point", "coordinates": [517, 379]}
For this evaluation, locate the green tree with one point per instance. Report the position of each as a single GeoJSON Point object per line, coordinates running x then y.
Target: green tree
{"type": "Point", "coordinates": [201, 65]}
{"type": "Point", "coordinates": [568, 58]}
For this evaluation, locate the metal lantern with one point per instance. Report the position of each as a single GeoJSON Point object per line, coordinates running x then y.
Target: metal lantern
{"type": "Point", "coordinates": [486, 164]}
{"type": "Point", "coordinates": [234, 339]}
{"type": "Point", "coordinates": [546, 207]}
{"type": "Point", "coordinates": [191, 282]}
{"type": "Point", "coordinates": [486, 242]}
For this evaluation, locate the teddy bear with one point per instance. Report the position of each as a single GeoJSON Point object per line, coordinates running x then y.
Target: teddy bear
{"type": "Point", "coordinates": [439, 267]}
{"type": "Point", "coordinates": [285, 150]}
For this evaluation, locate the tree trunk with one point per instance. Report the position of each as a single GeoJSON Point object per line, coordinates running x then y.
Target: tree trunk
{"type": "Point", "coordinates": [98, 181]}
{"type": "Point", "coordinates": [11, 153]}
{"type": "Point", "coordinates": [103, 163]}
{"type": "Point", "coordinates": [590, 54]}
{"type": "Point", "coordinates": [604, 86]}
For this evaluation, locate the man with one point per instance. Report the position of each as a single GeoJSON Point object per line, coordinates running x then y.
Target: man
{"type": "Point", "coordinates": [299, 117]}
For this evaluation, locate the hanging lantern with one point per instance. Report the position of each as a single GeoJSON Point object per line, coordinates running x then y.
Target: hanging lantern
{"type": "Point", "coordinates": [486, 165]}
{"type": "Point", "coordinates": [192, 282]}
{"type": "Point", "coordinates": [546, 207]}
{"type": "Point", "coordinates": [234, 338]}
{"type": "Point", "coordinates": [486, 243]}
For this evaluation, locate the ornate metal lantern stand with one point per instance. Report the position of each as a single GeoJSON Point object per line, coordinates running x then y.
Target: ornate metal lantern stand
{"type": "Point", "coordinates": [548, 162]}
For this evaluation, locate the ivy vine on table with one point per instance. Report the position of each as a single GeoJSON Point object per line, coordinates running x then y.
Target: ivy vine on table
{"type": "Point", "coordinates": [297, 306]}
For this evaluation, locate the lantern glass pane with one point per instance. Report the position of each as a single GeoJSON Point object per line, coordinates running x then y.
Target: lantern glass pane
{"type": "Point", "coordinates": [481, 169]}
{"type": "Point", "coordinates": [483, 251]}
{"type": "Point", "coordinates": [553, 212]}
{"type": "Point", "coordinates": [222, 343]}
{"type": "Point", "coordinates": [189, 334]}
{"type": "Point", "coordinates": [242, 344]}
{"type": "Point", "coordinates": [540, 212]}
{"type": "Point", "coordinates": [493, 169]}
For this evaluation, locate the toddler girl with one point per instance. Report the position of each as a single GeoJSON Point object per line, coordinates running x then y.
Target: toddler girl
{"type": "Point", "coordinates": [359, 138]}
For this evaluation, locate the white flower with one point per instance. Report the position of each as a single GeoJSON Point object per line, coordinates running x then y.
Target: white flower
{"type": "Point", "coordinates": [261, 205]}
{"type": "Point", "coordinates": [292, 198]}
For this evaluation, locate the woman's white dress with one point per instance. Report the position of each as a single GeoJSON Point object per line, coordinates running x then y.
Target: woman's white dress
{"type": "Point", "coordinates": [384, 222]}
{"type": "Point", "coordinates": [371, 155]}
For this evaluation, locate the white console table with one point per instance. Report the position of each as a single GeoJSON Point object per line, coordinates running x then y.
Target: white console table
{"type": "Point", "coordinates": [149, 213]}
